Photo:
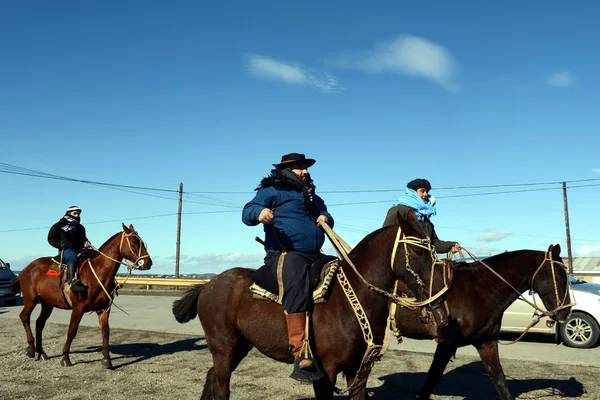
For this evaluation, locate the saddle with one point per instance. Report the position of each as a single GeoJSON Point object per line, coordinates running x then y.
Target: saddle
{"type": "Point", "coordinates": [60, 269]}
{"type": "Point", "coordinates": [266, 287]}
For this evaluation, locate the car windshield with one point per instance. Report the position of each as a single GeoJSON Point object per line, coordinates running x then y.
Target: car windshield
{"type": "Point", "coordinates": [2, 265]}
{"type": "Point", "coordinates": [575, 281]}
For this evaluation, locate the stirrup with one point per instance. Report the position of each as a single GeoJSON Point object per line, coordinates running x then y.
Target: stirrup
{"type": "Point", "coordinates": [306, 373]}
{"type": "Point", "coordinates": [310, 374]}
{"type": "Point", "coordinates": [77, 286]}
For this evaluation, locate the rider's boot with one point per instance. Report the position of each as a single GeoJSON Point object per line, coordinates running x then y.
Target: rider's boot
{"type": "Point", "coordinates": [75, 283]}
{"type": "Point", "coordinates": [296, 324]}
{"type": "Point", "coordinates": [442, 318]}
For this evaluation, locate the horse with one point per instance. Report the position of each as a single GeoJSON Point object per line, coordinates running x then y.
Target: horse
{"type": "Point", "coordinates": [477, 300]}
{"type": "Point", "coordinates": [36, 283]}
{"type": "Point", "coordinates": [234, 321]}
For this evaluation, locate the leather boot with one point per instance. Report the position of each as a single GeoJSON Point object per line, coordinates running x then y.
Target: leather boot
{"type": "Point", "coordinates": [442, 321]}
{"type": "Point", "coordinates": [296, 325]}
{"type": "Point", "coordinates": [75, 283]}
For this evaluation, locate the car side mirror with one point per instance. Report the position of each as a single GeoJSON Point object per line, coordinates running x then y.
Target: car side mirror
{"type": "Point", "coordinates": [8, 265]}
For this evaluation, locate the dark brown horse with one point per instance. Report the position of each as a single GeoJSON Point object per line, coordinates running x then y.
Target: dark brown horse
{"type": "Point", "coordinates": [234, 322]}
{"type": "Point", "coordinates": [36, 284]}
{"type": "Point", "coordinates": [477, 301]}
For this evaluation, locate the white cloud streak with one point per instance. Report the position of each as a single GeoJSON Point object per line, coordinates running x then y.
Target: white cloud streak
{"type": "Point", "coordinates": [494, 236]}
{"type": "Point", "coordinates": [264, 67]}
{"type": "Point", "coordinates": [406, 55]}
{"type": "Point", "coordinates": [561, 79]}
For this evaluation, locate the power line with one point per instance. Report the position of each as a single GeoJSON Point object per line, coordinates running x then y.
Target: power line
{"type": "Point", "coordinates": [16, 170]}
{"type": "Point", "coordinates": [123, 219]}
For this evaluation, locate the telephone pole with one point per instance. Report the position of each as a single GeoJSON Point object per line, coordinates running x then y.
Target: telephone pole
{"type": "Point", "coordinates": [178, 231]}
{"type": "Point", "coordinates": [570, 261]}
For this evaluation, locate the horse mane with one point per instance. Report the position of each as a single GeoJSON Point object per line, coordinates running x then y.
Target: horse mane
{"type": "Point", "coordinates": [109, 240]}
{"type": "Point", "coordinates": [494, 260]}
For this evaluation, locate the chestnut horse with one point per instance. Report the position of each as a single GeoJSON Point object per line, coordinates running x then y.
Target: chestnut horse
{"type": "Point", "coordinates": [477, 301]}
{"type": "Point", "coordinates": [234, 322]}
{"type": "Point", "coordinates": [36, 284]}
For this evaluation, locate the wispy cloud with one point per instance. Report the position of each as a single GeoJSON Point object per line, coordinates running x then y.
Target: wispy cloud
{"type": "Point", "coordinates": [589, 250]}
{"type": "Point", "coordinates": [264, 67]}
{"type": "Point", "coordinates": [561, 79]}
{"type": "Point", "coordinates": [405, 55]}
{"type": "Point", "coordinates": [597, 170]}
{"type": "Point", "coordinates": [494, 236]}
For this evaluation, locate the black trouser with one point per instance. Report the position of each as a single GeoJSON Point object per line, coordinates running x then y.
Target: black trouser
{"type": "Point", "coordinates": [297, 296]}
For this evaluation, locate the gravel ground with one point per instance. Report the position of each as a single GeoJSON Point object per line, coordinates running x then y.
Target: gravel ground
{"type": "Point", "coordinates": [151, 365]}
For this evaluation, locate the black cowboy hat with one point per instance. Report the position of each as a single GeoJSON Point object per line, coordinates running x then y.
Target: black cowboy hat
{"type": "Point", "coordinates": [289, 160]}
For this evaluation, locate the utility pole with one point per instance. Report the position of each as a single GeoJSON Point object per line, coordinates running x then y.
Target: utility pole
{"type": "Point", "coordinates": [570, 261]}
{"type": "Point", "coordinates": [178, 231]}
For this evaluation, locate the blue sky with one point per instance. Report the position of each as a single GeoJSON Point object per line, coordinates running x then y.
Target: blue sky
{"type": "Point", "coordinates": [154, 93]}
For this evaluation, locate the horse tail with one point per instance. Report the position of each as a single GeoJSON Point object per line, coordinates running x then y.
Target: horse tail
{"type": "Point", "coordinates": [186, 308]}
{"type": "Point", "coordinates": [15, 285]}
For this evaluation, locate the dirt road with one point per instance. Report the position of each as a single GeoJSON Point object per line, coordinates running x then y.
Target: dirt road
{"type": "Point", "coordinates": [153, 365]}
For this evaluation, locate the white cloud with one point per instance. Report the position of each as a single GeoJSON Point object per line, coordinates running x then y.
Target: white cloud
{"type": "Point", "coordinates": [494, 236]}
{"type": "Point", "coordinates": [561, 79]}
{"type": "Point", "coordinates": [589, 251]}
{"type": "Point", "coordinates": [406, 55]}
{"type": "Point", "coordinates": [292, 74]}
{"type": "Point", "coordinates": [597, 170]}
{"type": "Point", "coordinates": [206, 263]}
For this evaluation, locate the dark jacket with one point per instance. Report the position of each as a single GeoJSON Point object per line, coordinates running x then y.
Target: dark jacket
{"type": "Point", "coordinates": [63, 235]}
{"type": "Point", "coordinates": [296, 225]}
{"type": "Point", "coordinates": [400, 212]}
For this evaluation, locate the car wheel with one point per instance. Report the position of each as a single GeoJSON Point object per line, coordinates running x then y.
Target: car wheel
{"type": "Point", "coordinates": [11, 302]}
{"type": "Point", "coordinates": [580, 330]}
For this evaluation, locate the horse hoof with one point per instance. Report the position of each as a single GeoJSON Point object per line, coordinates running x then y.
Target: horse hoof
{"type": "Point", "coordinates": [30, 353]}
{"type": "Point", "coordinates": [107, 363]}
{"type": "Point", "coordinates": [66, 363]}
{"type": "Point", "coordinates": [43, 356]}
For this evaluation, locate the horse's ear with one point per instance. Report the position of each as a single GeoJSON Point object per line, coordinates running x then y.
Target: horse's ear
{"type": "Point", "coordinates": [550, 248]}
{"type": "Point", "coordinates": [125, 229]}
{"type": "Point", "coordinates": [556, 251]}
{"type": "Point", "coordinates": [131, 227]}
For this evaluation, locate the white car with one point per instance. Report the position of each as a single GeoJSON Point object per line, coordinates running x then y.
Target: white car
{"type": "Point", "coordinates": [581, 329]}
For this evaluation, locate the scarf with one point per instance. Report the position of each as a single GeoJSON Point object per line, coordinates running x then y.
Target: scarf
{"type": "Point", "coordinates": [422, 209]}
{"type": "Point", "coordinates": [72, 222]}
{"type": "Point", "coordinates": [287, 180]}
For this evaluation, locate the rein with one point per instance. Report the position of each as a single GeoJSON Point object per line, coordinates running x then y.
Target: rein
{"type": "Point", "coordinates": [539, 312]}
{"type": "Point", "coordinates": [409, 302]}
{"type": "Point", "coordinates": [374, 352]}
{"type": "Point", "coordinates": [139, 262]}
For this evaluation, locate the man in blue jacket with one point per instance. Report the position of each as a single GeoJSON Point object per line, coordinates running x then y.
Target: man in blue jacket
{"type": "Point", "coordinates": [291, 212]}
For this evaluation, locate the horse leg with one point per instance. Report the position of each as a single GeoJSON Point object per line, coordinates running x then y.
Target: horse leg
{"type": "Point", "coordinates": [325, 386]}
{"type": "Point", "coordinates": [39, 327]}
{"type": "Point", "coordinates": [76, 315]}
{"type": "Point", "coordinates": [103, 320]}
{"type": "Point", "coordinates": [227, 351]}
{"type": "Point", "coordinates": [25, 315]}
{"type": "Point", "coordinates": [488, 351]}
{"type": "Point", "coordinates": [443, 354]}
{"type": "Point", "coordinates": [359, 392]}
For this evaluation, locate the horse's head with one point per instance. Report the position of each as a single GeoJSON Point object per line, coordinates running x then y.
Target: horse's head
{"type": "Point", "coordinates": [134, 249]}
{"type": "Point", "coordinates": [416, 263]}
{"type": "Point", "coordinates": [551, 282]}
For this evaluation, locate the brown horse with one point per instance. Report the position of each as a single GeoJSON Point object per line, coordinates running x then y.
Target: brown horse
{"type": "Point", "coordinates": [477, 301]}
{"type": "Point", "coordinates": [36, 284]}
{"type": "Point", "coordinates": [234, 322]}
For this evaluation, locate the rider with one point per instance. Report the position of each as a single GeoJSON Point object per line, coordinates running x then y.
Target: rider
{"type": "Point", "coordinates": [291, 212]}
{"type": "Point", "coordinates": [68, 235]}
{"type": "Point", "coordinates": [417, 198]}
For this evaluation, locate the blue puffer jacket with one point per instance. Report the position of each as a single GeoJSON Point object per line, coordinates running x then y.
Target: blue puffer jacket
{"type": "Point", "coordinates": [296, 227]}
